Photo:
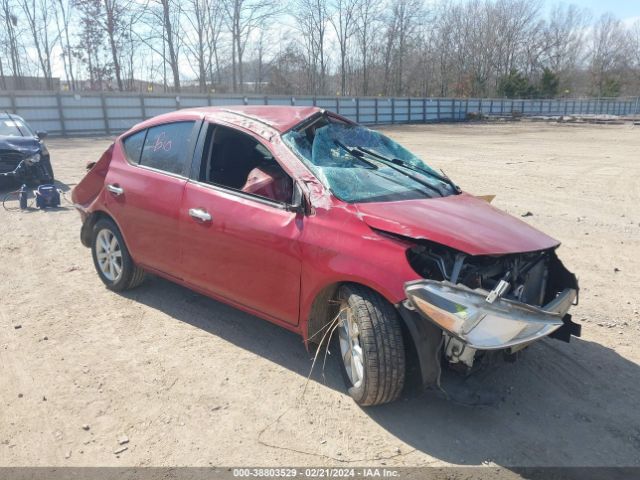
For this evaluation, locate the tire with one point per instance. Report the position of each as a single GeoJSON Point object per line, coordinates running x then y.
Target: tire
{"type": "Point", "coordinates": [378, 334]}
{"type": "Point", "coordinates": [49, 170]}
{"type": "Point", "coordinates": [106, 239]}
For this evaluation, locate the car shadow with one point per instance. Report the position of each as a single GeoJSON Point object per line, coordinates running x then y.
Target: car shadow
{"type": "Point", "coordinates": [559, 405]}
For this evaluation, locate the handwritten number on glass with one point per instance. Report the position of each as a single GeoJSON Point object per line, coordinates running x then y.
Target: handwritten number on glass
{"type": "Point", "coordinates": [162, 144]}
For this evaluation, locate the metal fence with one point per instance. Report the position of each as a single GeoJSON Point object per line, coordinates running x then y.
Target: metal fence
{"type": "Point", "coordinates": [88, 113]}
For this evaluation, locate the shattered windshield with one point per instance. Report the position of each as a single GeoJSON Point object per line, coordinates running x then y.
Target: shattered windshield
{"type": "Point", "coordinates": [362, 165]}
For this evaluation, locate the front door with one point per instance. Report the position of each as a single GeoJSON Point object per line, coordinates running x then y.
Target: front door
{"type": "Point", "coordinates": [238, 245]}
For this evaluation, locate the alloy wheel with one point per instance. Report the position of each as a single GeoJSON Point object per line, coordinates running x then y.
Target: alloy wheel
{"type": "Point", "coordinates": [109, 254]}
{"type": "Point", "coordinates": [350, 348]}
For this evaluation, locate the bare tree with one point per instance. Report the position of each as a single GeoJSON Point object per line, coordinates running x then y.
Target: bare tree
{"type": "Point", "coordinates": [163, 21]}
{"type": "Point", "coordinates": [10, 19]}
{"type": "Point", "coordinates": [170, 25]}
{"type": "Point", "coordinates": [197, 39]}
{"type": "Point", "coordinates": [62, 13]}
{"type": "Point", "coordinates": [37, 14]}
{"type": "Point", "coordinates": [114, 26]}
{"type": "Point", "coordinates": [90, 44]}
{"type": "Point", "coordinates": [243, 18]}
{"type": "Point", "coordinates": [215, 20]}
{"type": "Point", "coordinates": [402, 24]}
{"type": "Point", "coordinates": [366, 24]}
{"type": "Point", "coordinates": [609, 56]}
{"type": "Point", "coordinates": [343, 20]}
{"type": "Point", "coordinates": [312, 20]}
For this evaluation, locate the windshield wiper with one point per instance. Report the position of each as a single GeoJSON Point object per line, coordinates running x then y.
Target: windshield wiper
{"type": "Point", "coordinates": [410, 166]}
{"type": "Point", "coordinates": [358, 153]}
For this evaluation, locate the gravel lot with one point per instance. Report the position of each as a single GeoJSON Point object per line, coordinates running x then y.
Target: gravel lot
{"type": "Point", "coordinates": [179, 379]}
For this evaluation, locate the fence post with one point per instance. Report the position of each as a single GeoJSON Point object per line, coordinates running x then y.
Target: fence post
{"type": "Point", "coordinates": [14, 108]}
{"type": "Point", "coordinates": [466, 108]}
{"type": "Point", "coordinates": [315, 101]}
{"type": "Point", "coordinates": [375, 103]}
{"type": "Point", "coordinates": [393, 110]}
{"type": "Point", "coordinates": [409, 113]}
{"type": "Point", "coordinates": [480, 108]}
{"type": "Point", "coordinates": [453, 109]}
{"type": "Point", "coordinates": [438, 109]}
{"type": "Point", "coordinates": [337, 105]}
{"type": "Point", "coordinates": [424, 110]}
{"type": "Point", "coordinates": [357, 109]}
{"type": "Point", "coordinates": [63, 125]}
{"type": "Point", "coordinates": [143, 107]}
{"type": "Point", "coordinates": [105, 118]}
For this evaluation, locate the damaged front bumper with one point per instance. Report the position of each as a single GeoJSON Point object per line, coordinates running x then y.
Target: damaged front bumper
{"type": "Point", "coordinates": [480, 324]}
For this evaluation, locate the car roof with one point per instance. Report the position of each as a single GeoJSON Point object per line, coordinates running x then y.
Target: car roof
{"type": "Point", "coordinates": [280, 118]}
{"type": "Point", "coordinates": [10, 115]}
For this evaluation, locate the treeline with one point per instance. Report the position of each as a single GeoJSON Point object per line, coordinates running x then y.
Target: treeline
{"type": "Point", "coordinates": [513, 48]}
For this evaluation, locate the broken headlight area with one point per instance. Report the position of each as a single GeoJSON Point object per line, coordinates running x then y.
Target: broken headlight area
{"type": "Point", "coordinates": [491, 302]}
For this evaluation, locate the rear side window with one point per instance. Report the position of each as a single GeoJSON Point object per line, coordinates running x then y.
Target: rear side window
{"type": "Point", "coordinates": [166, 147]}
{"type": "Point", "coordinates": [133, 146]}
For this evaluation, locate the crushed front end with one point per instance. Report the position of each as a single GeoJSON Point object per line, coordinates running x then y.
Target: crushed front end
{"type": "Point", "coordinates": [485, 302]}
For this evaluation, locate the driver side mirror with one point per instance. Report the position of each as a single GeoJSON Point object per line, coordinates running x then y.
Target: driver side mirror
{"type": "Point", "coordinates": [41, 134]}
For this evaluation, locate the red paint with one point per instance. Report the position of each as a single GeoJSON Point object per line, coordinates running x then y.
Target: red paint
{"type": "Point", "coordinates": [147, 213]}
{"type": "Point", "coordinates": [462, 222]}
{"type": "Point", "coordinates": [270, 261]}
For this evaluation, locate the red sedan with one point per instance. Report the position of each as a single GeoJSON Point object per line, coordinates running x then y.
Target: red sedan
{"type": "Point", "coordinates": [308, 220]}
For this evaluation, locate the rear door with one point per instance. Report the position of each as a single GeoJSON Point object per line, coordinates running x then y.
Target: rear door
{"type": "Point", "coordinates": [240, 246]}
{"type": "Point", "coordinates": [145, 191]}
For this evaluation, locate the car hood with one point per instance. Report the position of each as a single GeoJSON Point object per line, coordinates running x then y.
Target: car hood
{"type": "Point", "coordinates": [21, 144]}
{"type": "Point", "coordinates": [462, 222]}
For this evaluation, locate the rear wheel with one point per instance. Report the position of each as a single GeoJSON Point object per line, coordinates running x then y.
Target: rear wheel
{"type": "Point", "coordinates": [371, 346]}
{"type": "Point", "coordinates": [112, 259]}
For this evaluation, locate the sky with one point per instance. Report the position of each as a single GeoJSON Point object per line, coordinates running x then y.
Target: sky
{"type": "Point", "coordinates": [622, 9]}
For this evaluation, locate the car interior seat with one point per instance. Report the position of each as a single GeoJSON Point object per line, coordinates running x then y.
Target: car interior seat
{"type": "Point", "coordinates": [232, 160]}
{"type": "Point", "coordinates": [270, 181]}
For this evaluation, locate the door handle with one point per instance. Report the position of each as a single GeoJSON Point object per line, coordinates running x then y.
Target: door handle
{"type": "Point", "coordinates": [116, 190]}
{"type": "Point", "coordinates": [200, 214]}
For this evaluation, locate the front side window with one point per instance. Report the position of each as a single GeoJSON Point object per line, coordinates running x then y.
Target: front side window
{"type": "Point", "coordinates": [239, 162]}
{"type": "Point", "coordinates": [361, 165]}
{"type": "Point", "coordinates": [166, 147]}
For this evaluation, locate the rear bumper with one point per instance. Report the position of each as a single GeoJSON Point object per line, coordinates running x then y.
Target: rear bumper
{"type": "Point", "coordinates": [466, 315]}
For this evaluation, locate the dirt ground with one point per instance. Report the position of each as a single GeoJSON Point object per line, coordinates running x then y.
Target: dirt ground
{"type": "Point", "coordinates": [190, 381]}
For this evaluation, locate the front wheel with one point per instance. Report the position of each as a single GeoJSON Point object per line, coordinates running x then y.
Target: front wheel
{"type": "Point", "coordinates": [112, 259]}
{"type": "Point", "coordinates": [49, 172]}
{"type": "Point", "coordinates": [371, 346]}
